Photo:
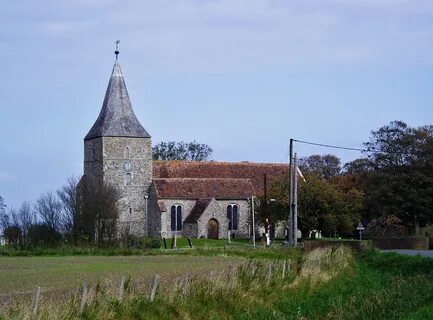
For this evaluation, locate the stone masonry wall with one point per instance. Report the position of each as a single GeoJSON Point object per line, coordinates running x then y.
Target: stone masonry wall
{"type": "Point", "coordinates": [187, 206]}
{"type": "Point", "coordinates": [217, 209]}
{"type": "Point", "coordinates": [93, 165]}
{"type": "Point", "coordinates": [244, 216]}
{"type": "Point", "coordinates": [154, 216]}
{"type": "Point", "coordinates": [213, 211]}
{"type": "Point", "coordinates": [133, 182]}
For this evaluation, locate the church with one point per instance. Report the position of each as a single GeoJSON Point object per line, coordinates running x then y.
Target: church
{"type": "Point", "coordinates": [201, 199]}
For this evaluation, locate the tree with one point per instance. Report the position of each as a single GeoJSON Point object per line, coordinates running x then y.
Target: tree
{"type": "Point", "coordinates": [68, 198]}
{"type": "Point", "coordinates": [2, 206]}
{"type": "Point", "coordinates": [402, 181]}
{"type": "Point", "coordinates": [325, 166]}
{"type": "Point", "coordinates": [49, 209]}
{"type": "Point", "coordinates": [42, 234]}
{"type": "Point", "coordinates": [25, 218]}
{"type": "Point", "coordinates": [4, 219]}
{"type": "Point", "coordinates": [12, 235]}
{"type": "Point", "coordinates": [190, 151]}
{"type": "Point", "coordinates": [97, 212]}
{"type": "Point", "coordinates": [322, 204]}
{"type": "Point", "coordinates": [325, 206]}
{"type": "Point", "coordinates": [358, 166]}
{"type": "Point", "coordinates": [386, 226]}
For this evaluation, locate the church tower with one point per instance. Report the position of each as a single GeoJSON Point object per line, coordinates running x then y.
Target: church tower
{"type": "Point", "coordinates": [118, 151]}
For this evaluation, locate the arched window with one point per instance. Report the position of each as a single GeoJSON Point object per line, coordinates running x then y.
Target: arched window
{"type": "Point", "coordinates": [126, 153]}
{"type": "Point", "coordinates": [128, 179]}
{"type": "Point", "coordinates": [176, 218]}
{"type": "Point", "coordinates": [233, 216]}
{"type": "Point", "coordinates": [130, 211]}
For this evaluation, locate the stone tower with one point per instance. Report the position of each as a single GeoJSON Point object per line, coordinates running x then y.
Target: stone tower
{"type": "Point", "coordinates": [118, 151]}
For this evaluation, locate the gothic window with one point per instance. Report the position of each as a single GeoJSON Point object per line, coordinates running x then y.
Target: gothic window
{"type": "Point", "coordinates": [128, 179]}
{"type": "Point", "coordinates": [176, 218]}
{"type": "Point", "coordinates": [233, 216]}
{"type": "Point", "coordinates": [126, 153]}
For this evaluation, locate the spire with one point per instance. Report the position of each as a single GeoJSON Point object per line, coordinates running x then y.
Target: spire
{"type": "Point", "coordinates": [117, 119]}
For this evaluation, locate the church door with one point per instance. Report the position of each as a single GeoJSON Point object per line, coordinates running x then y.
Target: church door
{"type": "Point", "coordinates": [212, 229]}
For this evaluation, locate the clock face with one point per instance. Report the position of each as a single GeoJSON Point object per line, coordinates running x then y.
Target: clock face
{"type": "Point", "coordinates": [127, 166]}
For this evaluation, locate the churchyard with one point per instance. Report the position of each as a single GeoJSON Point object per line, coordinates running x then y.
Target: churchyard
{"type": "Point", "coordinates": [216, 281]}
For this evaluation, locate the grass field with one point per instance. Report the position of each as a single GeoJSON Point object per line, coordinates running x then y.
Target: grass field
{"type": "Point", "coordinates": [323, 284]}
{"type": "Point", "coordinates": [20, 275]}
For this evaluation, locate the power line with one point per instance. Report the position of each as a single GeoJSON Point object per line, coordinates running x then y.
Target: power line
{"type": "Point", "coordinates": [330, 146]}
{"type": "Point", "coordinates": [359, 149]}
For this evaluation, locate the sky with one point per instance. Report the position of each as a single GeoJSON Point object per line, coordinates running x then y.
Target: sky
{"type": "Point", "coordinates": [243, 76]}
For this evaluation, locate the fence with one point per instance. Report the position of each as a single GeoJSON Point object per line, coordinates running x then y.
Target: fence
{"type": "Point", "coordinates": [262, 273]}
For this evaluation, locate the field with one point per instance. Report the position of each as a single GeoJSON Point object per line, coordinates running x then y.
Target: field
{"type": "Point", "coordinates": [323, 284]}
{"type": "Point", "coordinates": [20, 275]}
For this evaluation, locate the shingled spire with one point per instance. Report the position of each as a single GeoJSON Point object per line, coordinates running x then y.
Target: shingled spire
{"type": "Point", "coordinates": [117, 119]}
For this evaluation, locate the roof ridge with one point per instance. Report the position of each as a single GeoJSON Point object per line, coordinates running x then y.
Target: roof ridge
{"type": "Point", "coordinates": [218, 162]}
{"type": "Point", "coordinates": [187, 178]}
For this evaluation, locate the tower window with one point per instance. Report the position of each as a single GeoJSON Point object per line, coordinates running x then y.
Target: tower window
{"type": "Point", "coordinates": [176, 218]}
{"type": "Point", "coordinates": [126, 153]}
{"type": "Point", "coordinates": [130, 211]}
{"type": "Point", "coordinates": [128, 179]}
{"type": "Point", "coordinates": [233, 216]}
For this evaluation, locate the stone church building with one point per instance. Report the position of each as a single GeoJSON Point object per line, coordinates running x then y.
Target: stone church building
{"type": "Point", "coordinates": [163, 198]}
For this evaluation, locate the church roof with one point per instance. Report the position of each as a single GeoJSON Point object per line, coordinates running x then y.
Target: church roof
{"type": "Point", "coordinates": [117, 118]}
{"type": "Point", "coordinates": [199, 188]}
{"type": "Point", "coordinates": [209, 169]}
{"type": "Point", "coordinates": [198, 209]}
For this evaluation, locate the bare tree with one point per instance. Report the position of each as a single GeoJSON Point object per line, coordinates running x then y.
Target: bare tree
{"type": "Point", "coordinates": [68, 198]}
{"type": "Point", "coordinates": [14, 219]}
{"type": "Point", "coordinates": [4, 217]}
{"type": "Point", "coordinates": [11, 227]}
{"type": "Point", "coordinates": [25, 217]}
{"type": "Point", "coordinates": [49, 209]}
{"type": "Point", "coordinates": [97, 212]}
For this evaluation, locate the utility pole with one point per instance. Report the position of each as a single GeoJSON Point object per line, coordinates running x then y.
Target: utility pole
{"type": "Point", "coordinates": [295, 201]}
{"type": "Point", "coordinates": [254, 227]}
{"type": "Point", "coordinates": [290, 220]}
{"type": "Point", "coordinates": [265, 209]}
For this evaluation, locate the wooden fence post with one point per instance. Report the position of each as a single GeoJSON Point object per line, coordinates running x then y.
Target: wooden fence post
{"type": "Point", "coordinates": [185, 289]}
{"type": "Point", "coordinates": [83, 298]}
{"type": "Point", "coordinates": [269, 271]}
{"type": "Point", "coordinates": [35, 303]}
{"type": "Point", "coordinates": [284, 269]}
{"type": "Point", "coordinates": [155, 283]}
{"type": "Point", "coordinates": [122, 289]}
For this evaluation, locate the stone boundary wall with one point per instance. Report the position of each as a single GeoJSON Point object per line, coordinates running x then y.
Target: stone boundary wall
{"type": "Point", "coordinates": [310, 245]}
{"type": "Point", "coordinates": [413, 243]}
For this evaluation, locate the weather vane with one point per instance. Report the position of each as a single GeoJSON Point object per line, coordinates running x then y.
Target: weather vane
{"type": "Point", "coordinates": [117, 48]}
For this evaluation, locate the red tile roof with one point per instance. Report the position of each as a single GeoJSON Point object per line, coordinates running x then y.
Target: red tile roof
{"type": "Point", "coordinates": [209, 169]}
{"type": "Point", "coordinates": [197, 188]}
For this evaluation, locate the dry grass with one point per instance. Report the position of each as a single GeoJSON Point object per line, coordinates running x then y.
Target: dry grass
{"type": "Point", "coordinates": [324, 264]}
{"type": "Point", "coordinates": [242, 291]}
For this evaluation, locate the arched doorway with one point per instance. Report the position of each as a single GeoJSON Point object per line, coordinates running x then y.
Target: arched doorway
{"type": "Point", "coordinates": [212, 229]}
